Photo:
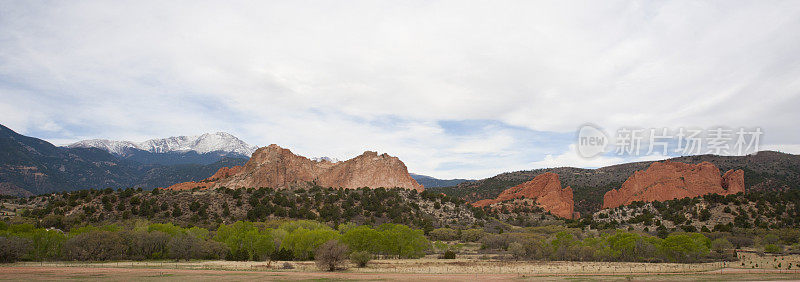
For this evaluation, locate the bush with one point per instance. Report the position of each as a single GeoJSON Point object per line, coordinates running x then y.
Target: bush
{"type": "Point", "coordinates": [444, 234]}
{"type": "Point", "coordinates": [719, 245]}
{"type": "Point", "coordinates": [449, 254]}
{"type": "Point", "coordinates": [772, 248]}
{"type": "Point", "coordinates": [95, 245]}
{"type": "Point", "coordinates": [360, 258]}
{"type": "Point", "coordinates": [185, 247]}
{"type": "Point", "coordinates": [330, 255]}
{"type": "Point", "coordinates": [517, 250]}
{"type": "Point", "coordinates": [12, 248]}
{"type": "Point", "coordinates": [472, 235]}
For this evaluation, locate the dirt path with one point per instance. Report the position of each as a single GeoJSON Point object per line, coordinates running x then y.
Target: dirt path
{"type": "Point", "coordinates": [28, 273]}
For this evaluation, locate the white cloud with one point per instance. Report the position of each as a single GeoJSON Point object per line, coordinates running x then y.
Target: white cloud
{"type": "Point", "coordinates": [570, 158]}
{"type": "Point", "coordinates": [332, 78]}
{"type": "Point", "coordinates": [785, 148]}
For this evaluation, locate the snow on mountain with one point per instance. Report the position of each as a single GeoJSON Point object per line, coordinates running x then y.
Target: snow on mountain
{"type": "Point", "coordinates": [206, 143]}
{"type": "Point", "coordinates": [114, 147]}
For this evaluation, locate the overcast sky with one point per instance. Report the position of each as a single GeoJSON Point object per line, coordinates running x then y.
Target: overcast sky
{"type": "Point", "coordinates": [455, 89]}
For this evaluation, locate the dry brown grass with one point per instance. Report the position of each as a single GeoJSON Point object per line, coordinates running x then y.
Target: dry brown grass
{"type": "Point", "coordinates": [429, 268]}
{"type": "Point", "coordinates": [464, 265]}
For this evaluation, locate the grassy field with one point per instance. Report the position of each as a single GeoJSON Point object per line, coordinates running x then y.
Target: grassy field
{"type": "Point", "coordinates": [467, 268]}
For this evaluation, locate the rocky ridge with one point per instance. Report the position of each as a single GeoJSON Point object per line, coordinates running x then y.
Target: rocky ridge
{"type": "Point", "coordinates": [277, 167]}
{"type": "Point", "coordinates": [668, 180]}
{"type": "Point", "coordinates": [545, 189]}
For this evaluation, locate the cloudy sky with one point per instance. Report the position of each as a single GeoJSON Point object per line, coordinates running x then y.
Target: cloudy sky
{"type": "Point", "coordinates": [454, 88]}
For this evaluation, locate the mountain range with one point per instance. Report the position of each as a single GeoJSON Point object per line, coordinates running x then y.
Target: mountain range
{"type": "Point", "coordinates": [200, 149]}
{"type": "Point", "coordinates": [33, 166]}
{"type": "Point", "coordinates": [428, 181]}
{"type": "Point", "coordinates": [30, 165]}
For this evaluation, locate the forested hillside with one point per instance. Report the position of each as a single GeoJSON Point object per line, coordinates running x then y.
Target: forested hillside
{"type": "Point", "coordinates": [764, 171]}
{"type": "Point", "coordinates": [36, 166]}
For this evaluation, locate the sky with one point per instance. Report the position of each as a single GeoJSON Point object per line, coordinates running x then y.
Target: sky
{"type": "Point", "coordinates": [455, 89]}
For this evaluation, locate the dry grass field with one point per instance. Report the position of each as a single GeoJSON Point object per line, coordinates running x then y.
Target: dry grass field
{"type": "Point", "coordinates": [468, 268]}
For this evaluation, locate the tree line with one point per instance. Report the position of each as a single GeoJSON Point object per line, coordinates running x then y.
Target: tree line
{"type": "Point", "coordinates": [242, 240]}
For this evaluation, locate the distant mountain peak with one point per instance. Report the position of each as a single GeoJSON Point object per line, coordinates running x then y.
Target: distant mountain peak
{"type": "Point", "coordinates": [205, 143]}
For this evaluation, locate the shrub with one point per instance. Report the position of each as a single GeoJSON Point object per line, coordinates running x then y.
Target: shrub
{"type": "Point", "coordinates": [772, 248]}
{"type": "Point", "coordinates": [12, 248]}
{"type": "Point", "coordinates": [360, 258]}
{"type": "Point", "coordinates": [143, 244]}
{"type": "Point", "coordinates": [95, 245]}
{"type": "Point", "coordinates": [517, 250]}
{"type": "Point", "coordinates": [184, 247]}
{"type": "Point", "coordinates": [472, 235]}
{"type": "Point", "coordinates": [719, 245]}
{"type": "Point", "coordinates": [444, 234]}
{"type": "Point", "coordinates": [449, 254]}
{"type": "Point", "coordinates": [330, 255]}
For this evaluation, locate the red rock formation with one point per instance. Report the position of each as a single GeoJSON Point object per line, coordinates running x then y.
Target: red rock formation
{"type": "Point", "coordinates": [733, 181]}
{"type": "Point", "coordinates": [277, 167]}
{"type": "Point", "coordinates": [545, 189]}
{"type": "Point", "coordinates": [667, 180]}
{"type": "Point", "coordinates": [369, 170]}
{"type": "Point", "coordinates": [223, 172]}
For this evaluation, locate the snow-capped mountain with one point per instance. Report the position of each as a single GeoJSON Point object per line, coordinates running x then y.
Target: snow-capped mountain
{"type": "Point", "coordinates": [219, 142]}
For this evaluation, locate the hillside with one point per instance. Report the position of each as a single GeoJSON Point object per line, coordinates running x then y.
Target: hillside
{"type": "Point", "coordinates": [428, 181]}
{"type": "Point", "coordinates": [39, 167]}
{"type": "Point", "coordinates": [764, 171]}
{"type": "Point", "coordinates": [208, 208]}
{"type": "Point", "coordinates": [766, 210]}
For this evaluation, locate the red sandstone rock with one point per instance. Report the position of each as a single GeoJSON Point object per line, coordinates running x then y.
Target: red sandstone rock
{"type": "Point", "coordinates": [277, 167]}
{"type": "Point", "coordinates": [545, 189]}
{"type": "Point", "coordinates": [667, 180]}
{"type": "Point", "coordinates": [733, 181]}
{"type": "Point", "coordinates": [223, 172]}
{"type": "Point", "coordinates": [369, 170]}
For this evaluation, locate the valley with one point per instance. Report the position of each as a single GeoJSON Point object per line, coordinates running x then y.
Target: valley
{"type": "Point", "coordinates": [702, 215]}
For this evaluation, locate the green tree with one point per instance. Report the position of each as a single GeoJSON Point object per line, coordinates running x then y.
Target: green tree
{"type": "Point", "coordinates": [302, 242]}
{"type": "Point", "coordinates": [622, 245]}
{"type": "Point", "coordinates": [258, 244]}
{"type": "Point", "coordinates": [360, 258]}
{"type": "Point", "coordinates": [402, 241]}
{"type": "Point", "coordinates": [46, 243]}
{"type": "Point", "coordinates": [198, 232]}
{"type": "Point", "coordinates": [362, 238]}
{"type": "Point", "coordinates": [685, 247]}
{"type": "Point", "coordinates": [168, 228]}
